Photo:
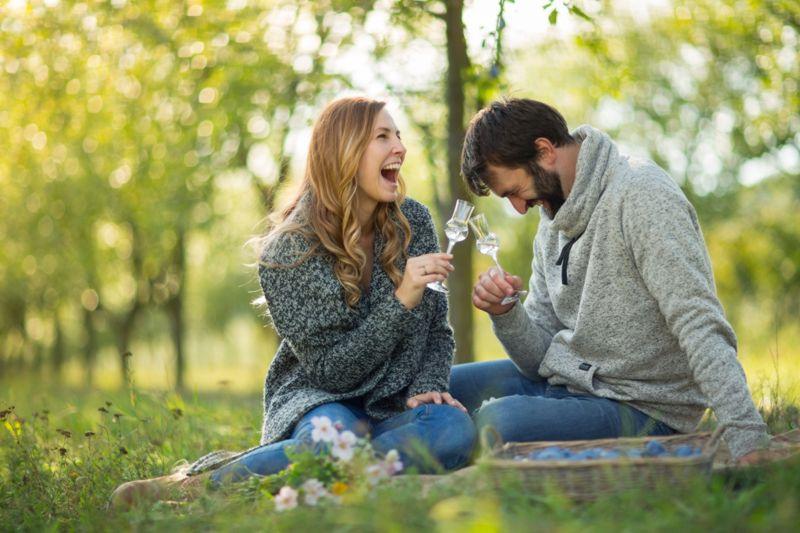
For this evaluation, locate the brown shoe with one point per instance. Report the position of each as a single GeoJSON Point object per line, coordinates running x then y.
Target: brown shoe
{"type": "Point", "coordinates": [174, 486]}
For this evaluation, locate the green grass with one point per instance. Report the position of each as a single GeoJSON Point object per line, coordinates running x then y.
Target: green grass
{"type": "Point", "coordinates": [73, 447]}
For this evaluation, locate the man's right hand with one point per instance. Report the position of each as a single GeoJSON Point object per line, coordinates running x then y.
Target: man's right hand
{"type": "Point", "coordinates": [490, 290]}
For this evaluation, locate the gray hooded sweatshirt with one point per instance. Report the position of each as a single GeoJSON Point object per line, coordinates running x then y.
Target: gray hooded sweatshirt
{"type": "Point", "coordinates": [622, 302]}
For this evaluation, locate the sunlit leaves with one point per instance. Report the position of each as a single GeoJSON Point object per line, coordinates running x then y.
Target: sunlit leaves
{"type": "Point", "coordinates": [120, 116]}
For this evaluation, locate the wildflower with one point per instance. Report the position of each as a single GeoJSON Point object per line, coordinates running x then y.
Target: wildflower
{"type": "Point", "coordinates": [89, 434]}
{"type": "Point", "coordinates": [375, 473]}
{"type": "Point", "coordinates": [323, 429]}
{"type": "Point", "coordinates": [339, 488]}
{"type": "Point", "coordinates": [286, 499]}
{"type": "Point", "coordinates": [123, 451]}
{"type": "Point", "coordinates": [393, 463]}
{"type": "Point", "coordinates": [62, 451]}
{"type": "Point", "coordinates": [343, 446]}
{"type": "Point", "coordinates": [314, 490]}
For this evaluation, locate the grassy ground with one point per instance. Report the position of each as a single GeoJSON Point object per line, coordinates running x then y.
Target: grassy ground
{"type": "Point", "coordinates": [72, 447]}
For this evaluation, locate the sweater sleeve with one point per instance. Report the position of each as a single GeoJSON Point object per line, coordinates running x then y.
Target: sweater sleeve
{"type": "Point", "coordinates": [335, 350]}
{"type": "Point", "coordinates": [435, 372]}
{"type": "Point", "coordinates": [663, 234]}
{"type": "Point", "coordinates": [527, 330]}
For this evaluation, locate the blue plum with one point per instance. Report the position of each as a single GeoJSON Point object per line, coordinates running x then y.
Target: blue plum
{"type": "Point", "coordinates": [654, 449]}
{"type": "Point", "coordinates": [684, 450]}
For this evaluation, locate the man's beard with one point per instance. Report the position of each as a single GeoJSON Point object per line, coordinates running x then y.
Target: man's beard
{"type": "Point", "coordinates": [548, 188]}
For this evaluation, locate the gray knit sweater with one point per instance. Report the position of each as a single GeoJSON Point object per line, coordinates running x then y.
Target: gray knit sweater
{"type": "Point", "coordinates": [638, 319]}
{"type": "Point", "coordinates": [379, 351]}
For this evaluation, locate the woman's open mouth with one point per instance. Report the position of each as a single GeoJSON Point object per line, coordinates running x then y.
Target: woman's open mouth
{"type": "Point", "coordinates": [390, 172]}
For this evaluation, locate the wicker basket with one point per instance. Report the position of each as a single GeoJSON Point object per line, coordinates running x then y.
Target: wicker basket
{"type": "Point", "coordinates": [589, 479]}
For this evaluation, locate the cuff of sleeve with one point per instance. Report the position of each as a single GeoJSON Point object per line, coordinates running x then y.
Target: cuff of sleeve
{"type": "Point", "coordinates": [396, 313]}
{"type": "Point", "coordinates": [512, 321]}
{"type": "Point", "coordinates": [742, 441]}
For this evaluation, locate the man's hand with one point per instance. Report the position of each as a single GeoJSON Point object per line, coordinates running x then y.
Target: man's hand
{"type": "Point", "coordinates": [776, 452]}
{"type": "Point", "coordinates": [490, 290]}
{"type": "Point", "coordinates": [434, 397]}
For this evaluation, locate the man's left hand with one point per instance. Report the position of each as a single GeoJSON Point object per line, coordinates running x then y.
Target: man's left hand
{"type": "Point", "coordinates": [776, 452]}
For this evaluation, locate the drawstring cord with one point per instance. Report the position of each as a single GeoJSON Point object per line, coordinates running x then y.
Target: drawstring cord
{"type": "Point", "coordinates": [563, 259]}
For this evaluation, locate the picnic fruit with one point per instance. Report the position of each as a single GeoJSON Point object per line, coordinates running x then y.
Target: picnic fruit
{"type": "Point", "coordinates": [654, 448]}
{"type": "Point", "coordinates": [651, 449]}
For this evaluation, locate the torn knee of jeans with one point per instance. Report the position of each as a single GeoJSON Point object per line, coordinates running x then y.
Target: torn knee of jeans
{"type": "Point", "coordinates": [484, 403]}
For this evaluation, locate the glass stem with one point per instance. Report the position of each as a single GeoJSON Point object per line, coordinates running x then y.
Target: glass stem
{"type": "Point", "coordinates": [496, 262]}
{"type": "Point", "coordinates": [450, 245]}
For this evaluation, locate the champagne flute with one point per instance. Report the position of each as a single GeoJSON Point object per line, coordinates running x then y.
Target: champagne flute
{"type": "Point", "coordinates": [456, 231]}
{"type": "Point", "coordinates": [488, 244]}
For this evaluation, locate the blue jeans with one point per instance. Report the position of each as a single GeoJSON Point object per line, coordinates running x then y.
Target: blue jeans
{"type": "Point", "coordinates": [429, 438]}
{"type": "Point", "coordinates": [533, 410]}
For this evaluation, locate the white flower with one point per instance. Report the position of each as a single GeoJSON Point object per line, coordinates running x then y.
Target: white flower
{"type": "Point", "coordinates": [323, 429]}
{"type": "Point", "coordinates": [375, 473]}
{"type": "Point", "coordinates": [343, 446]}
{"type": "Point", "coordinates": [314, 490]}
{"type": "Point", "coordinates": [393, 463]}
{"type": "Point", "coordinates": [286, 499]}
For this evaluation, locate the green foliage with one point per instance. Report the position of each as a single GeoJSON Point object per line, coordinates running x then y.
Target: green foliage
{"type": "Point", "coordinates": [308, 465]}
{"type": "Point", "coordinates": [59, 466]}
{"type": "Point", "coordinates": [130, 126]}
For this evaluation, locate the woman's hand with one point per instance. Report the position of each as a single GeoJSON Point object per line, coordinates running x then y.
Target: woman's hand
{"type": "Point", "coordinates": [419, 272]}
{"type": "Point", "coordinates": [434, 397]}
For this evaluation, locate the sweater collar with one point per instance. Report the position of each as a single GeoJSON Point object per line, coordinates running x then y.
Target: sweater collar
{"type": "Point", "coordinates": [597, 159]}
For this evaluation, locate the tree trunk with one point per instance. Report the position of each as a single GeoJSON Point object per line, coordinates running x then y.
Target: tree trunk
{"type": "Point", "coordinates": [90, 346]}
{"type": "Point", "coordinates": [176, 326]}
{"type": "Point", "coordinates": [124, 334]}
{"type": "Point", "coordinates": [460, 281]}
{"type": "Point", "coordinates": [175, 310]}
{"type": "Point", "coordinates": [58, 352]}
{"type": "Point", "coordinates": [127, 322]}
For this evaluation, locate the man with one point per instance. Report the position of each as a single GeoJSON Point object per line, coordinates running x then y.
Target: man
{"type": "Point", "coordinates": [622, 332]}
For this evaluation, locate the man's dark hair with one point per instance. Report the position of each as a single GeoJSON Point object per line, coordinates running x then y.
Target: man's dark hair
{"type": "Point", "coordinates": [502, 134]}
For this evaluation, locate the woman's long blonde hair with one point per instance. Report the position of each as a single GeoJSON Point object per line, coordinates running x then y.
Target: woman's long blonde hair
{"type": "Point", "coordinates": [324, 211]}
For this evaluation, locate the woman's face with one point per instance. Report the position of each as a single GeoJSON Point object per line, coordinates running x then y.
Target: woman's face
{"type": "Point", "coordinates": [379, 168]}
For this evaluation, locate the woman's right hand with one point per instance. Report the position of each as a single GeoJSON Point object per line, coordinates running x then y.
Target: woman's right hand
{"type": "Point", "coordinates": [420, 271]}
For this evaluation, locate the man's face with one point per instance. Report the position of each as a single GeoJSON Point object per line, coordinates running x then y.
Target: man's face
{"type": "Point", "coordinates": [527, 187]}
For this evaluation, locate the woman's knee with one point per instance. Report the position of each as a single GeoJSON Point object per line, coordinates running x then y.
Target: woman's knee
{"type": "Point", "coordinates": [457, 433]}
{"type": "Point", "coordinates": [341, 418]}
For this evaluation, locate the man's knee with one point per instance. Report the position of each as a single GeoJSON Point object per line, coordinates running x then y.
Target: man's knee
{"type": "Point", "coordinates": [497, 417]}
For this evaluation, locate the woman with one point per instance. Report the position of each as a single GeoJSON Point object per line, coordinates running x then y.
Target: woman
{"type": "Point", "coordinates": [344, 273]}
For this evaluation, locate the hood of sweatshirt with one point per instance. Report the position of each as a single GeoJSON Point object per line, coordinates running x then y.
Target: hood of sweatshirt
{"type": "Point", "coordinates": [597, 160]}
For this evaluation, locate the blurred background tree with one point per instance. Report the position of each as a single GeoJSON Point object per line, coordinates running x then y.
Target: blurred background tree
{"type": "Point", "coordinates": [144, 141]}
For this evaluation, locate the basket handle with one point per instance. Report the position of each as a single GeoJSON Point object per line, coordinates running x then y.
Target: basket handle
{"type": "Point", "coordinates": [713, 443]}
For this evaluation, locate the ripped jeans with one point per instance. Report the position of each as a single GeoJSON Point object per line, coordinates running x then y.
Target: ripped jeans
{"type": "Point", "coordinates": [523, 410]}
